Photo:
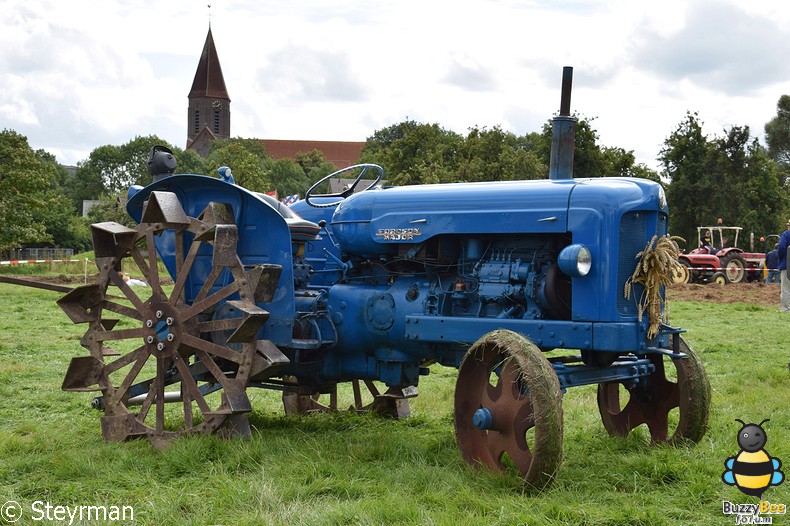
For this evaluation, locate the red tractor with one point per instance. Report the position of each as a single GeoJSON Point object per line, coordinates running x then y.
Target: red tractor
{"type": "Point", "coordinates": [717, 258]}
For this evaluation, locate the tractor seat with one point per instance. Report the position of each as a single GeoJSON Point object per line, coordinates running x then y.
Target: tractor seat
{"type": "Point", "coordinates": [301, 229]}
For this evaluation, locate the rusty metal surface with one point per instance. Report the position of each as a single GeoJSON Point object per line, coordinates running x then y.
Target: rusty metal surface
{"type": "Point", "coordinates": [623, 409]}
{"type": "Point", "coordinates": [111, 239]}
{"type": "Point", "coordinates": [394, 403]}
{"type": "Point", "coordinates": [83, 374]}
{"type": "Point", "coordinates": [264, 280]}
{"type": "Point", "coordinates": [226, 238]}
{"type": "Point", "coordinates": [508, 408]}
{"type": "Point", "coordinates": [151, 354]}
{"type": "Point", "coordinates": [512, 412]}
{"type": "Point", "coordinates": [164, 207]}
{"type": "Point", "coordinates": [79, 303]}
{"type": "Point", "coordinates": [35, 284]}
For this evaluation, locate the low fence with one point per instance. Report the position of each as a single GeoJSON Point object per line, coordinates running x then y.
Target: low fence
{"type": "Point", "coordinates": [35, 254]}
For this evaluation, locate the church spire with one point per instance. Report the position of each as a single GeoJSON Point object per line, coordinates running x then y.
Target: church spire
{"type": "Point", "coordinates": [209, 81]}
{"type": "Point", "coordinates": [209, 102]}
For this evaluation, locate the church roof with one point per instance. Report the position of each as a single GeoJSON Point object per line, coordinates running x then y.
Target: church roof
{"type": "Point", "coordinates": [209, 81]}
{"type": "Point", "coordinates": [339, 153]}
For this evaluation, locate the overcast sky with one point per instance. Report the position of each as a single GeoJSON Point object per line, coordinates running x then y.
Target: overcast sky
{"type": "Point", "coordinates": [79, 74]}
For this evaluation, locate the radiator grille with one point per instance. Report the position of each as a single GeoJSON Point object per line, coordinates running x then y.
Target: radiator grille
{"type": "Point", "coordinates": [634, 235]}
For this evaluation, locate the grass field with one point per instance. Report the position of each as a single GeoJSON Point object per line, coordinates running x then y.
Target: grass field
{"type": "Point", "coordinates": [351, 469]}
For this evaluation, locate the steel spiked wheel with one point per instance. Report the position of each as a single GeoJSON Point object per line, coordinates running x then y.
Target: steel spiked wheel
{"type": "Point", "coordinates": [508, 404]}
{"type": "Point", "coordinates": [682, 402]}
{"type": "Point", "coordinates": [153, 345]}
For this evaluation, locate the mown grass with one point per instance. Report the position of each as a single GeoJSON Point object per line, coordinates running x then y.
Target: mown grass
{"type": "Point", "coordinates": [352, 469]}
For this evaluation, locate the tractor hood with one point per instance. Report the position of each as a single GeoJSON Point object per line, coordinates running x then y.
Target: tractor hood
{"type": "Point", "coordinates": [368, 221]}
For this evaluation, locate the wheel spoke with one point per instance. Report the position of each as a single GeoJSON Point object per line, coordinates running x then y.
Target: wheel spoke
{"type": "Point", "coordinates": [227, 324]}
{"type": "Point", "coordinates": [149, 399]}
{"type": "Point", "coordinates": [153, 269]}
{"type": "Point", "coordinates": [159, 387]}
{"type": "Point", "coordinates": [120, 334]}
{"type": "Point", "coordinates": [124, 360]}
{"type": "Point", "coordinates": [127, 290]}
{"type": "Point", "coordinates": [212, 348]}
{"type": "Point", "coordinates": [182, 272]}
{"type": "Point", "coordinates": [208, 284]}
{"type": "Point", "coordinates": [120, 393]}
{"type": "Point", "coordinates": [123, 310]}
{"type": "Point", "coordinates": [189, 387]}
{"type": "Point", "coordinates": [204, 304]}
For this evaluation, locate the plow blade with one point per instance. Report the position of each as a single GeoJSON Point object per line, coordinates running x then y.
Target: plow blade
{"type": "Point", "coordinates": [164, 207]}
{"type": "Point", "coordinates": [264, 280]}
{"type": "Point", "coordinates": [111, 239]}
{"type": "Point", "coordinates": [83, 374]}
{"type": "Point", "coordinates": [78, 303]}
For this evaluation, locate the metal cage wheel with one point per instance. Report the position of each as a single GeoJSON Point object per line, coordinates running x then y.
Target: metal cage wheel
{"type": "Point", "coordinates": [363, 169]}
{"type": "Point", "coordinates": [157, 347]}
{"type": "Point", "coordinates": [508, 408]}
{"type": "Point", "coordinates": [624, 409]}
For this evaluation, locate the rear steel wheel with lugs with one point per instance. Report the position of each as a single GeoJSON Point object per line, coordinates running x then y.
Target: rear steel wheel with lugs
{"type": "Point", "coordinates": [677, 403]}
{"type": "Point", "coordinates": [153, 345]}
{"type": "Point", "coordinates": [508, 405]}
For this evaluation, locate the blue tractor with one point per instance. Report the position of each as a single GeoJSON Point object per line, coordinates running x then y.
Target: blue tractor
{"type": "Point", "coordinates": [517, 284]}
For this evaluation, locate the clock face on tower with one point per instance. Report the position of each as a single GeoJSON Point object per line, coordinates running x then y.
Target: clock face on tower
{"type": "Point", "coordinates": [217, 104]}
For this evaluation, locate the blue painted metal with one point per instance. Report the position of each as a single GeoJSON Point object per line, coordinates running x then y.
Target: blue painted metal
{"type": "Point", "coordinates": [263, 238]}
{"type": "Point", "coordinates": [630, 370]}
{"type": "Point", "coordinates": [483, 418]}
{"type": "Point", "coordinates": [402, 277]}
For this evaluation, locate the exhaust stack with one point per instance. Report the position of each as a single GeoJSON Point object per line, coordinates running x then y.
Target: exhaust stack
{"type": "Point", "coordinates": [563, 138]}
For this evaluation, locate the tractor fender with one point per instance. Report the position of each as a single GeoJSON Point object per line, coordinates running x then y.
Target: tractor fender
{"type": "Point", "coordinates": [263, 238]}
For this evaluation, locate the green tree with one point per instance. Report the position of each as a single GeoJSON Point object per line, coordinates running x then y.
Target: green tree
{"type": "Point", "coordinates": [111, 207]}
{"type": "Point", "coordinates": [115, 168]}
{"type": "Point", "coordinates": [777, 133]}
{"type": "Point", "coordinates": [413, 153]}
{"type": "Point", "coordinates": [315, 167]}
{"type": "Point", "coordinates": [287, 177]}
{"type": "Point", "coordinates": [684, 157]}
{"type": "Point", "coordinates": [245, 157]}
{"type": "Point", "coordinates": [63, 225]}
{"type": "Point", "coordinates": [190, 162]}
{"type": "Point", "coordinates": [730, 177]}
{"type": "Point", "coordinates": [24, 181]}
{"type": "Point", "coordinates": [496, 155]}
{"type": "Point", "coordinates": [748, 186]}
{"type": "Point", "coordinates": [592, 160]}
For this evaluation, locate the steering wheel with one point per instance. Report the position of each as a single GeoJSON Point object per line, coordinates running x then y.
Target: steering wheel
{"type": "Point", "coordinates": [363, 169]}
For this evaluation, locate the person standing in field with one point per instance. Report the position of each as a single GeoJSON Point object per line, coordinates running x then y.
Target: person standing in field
{"type": "Point", "coordinates": [771, 261]}
{"type": "Point", "coordinates": [784, 243]}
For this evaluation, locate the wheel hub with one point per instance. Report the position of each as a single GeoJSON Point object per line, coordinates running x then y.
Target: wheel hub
{"type": "Point", "coordinates": [162, 329]}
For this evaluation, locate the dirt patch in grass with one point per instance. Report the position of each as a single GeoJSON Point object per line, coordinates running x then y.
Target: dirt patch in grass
{"type": "Point", "coordinates": [756, 293]}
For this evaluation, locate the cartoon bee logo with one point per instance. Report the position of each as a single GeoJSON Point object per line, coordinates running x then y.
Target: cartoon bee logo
{"type": "Point", "coordinates": [752, 470]}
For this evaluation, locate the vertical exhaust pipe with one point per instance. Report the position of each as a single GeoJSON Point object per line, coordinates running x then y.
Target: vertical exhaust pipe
{"type": "Point", "coordinates": [563, 137]}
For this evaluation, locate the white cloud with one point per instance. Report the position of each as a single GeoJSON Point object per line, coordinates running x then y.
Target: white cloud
{"type": "Point", "coordinates": [76, 75]}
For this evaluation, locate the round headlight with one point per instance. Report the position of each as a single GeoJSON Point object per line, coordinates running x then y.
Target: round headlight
{"type": "Point", "coordinates": [662, 197]}
{"type": "Point", "coordinates": [575, 261]}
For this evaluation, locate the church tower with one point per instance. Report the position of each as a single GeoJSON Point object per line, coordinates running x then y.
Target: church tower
{"type": "Point", "coordinates": [208, 116]}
